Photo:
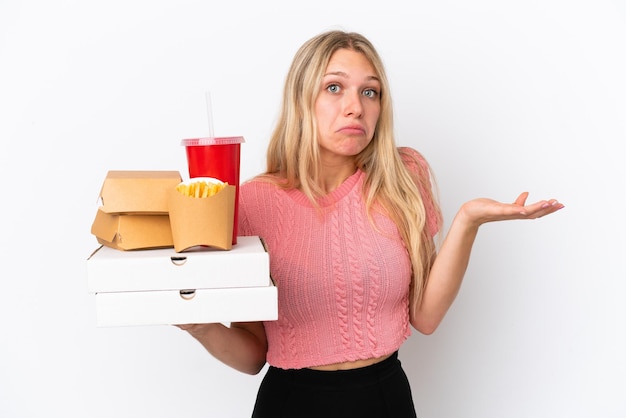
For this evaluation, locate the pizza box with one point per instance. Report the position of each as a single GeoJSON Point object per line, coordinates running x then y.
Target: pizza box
{"type": "Point", "coordinates": [245, 265]}
{"type": "Point", "coordinates": [161, 286]}
{"type": "Point", "coordinates": [187, 306]}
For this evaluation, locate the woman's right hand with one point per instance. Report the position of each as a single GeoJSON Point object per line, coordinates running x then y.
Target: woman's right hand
{"type": "Point", "coordinates": [242, 346]}
{"type": "Point", "coordinates": [196, 330]}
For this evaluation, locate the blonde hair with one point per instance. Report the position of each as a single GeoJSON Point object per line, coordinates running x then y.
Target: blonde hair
{"type": "Point", "coordinates": [293, 152]}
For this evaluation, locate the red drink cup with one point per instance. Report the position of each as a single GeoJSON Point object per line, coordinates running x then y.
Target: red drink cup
{"type": "Point", "coordinates": [217, 158]}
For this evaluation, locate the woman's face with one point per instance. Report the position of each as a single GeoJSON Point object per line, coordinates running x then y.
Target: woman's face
{"type": "Point", "coordinates": [348, 105]}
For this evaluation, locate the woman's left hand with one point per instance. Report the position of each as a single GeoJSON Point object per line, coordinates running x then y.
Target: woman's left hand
{"type": "Point", "coordinates": [452, 259]}
{"type": "Point", "coordinates": [482, 210]}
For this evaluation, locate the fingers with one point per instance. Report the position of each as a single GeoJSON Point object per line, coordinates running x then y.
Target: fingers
{"type": "Point", "coordinates": [521, 199]}
{"type": "Point", "coordinates": [542, 208]}
{"type": "Point", "coordinates": [185, 327]}
{"type": "Point", "coordinates": [538, 209]}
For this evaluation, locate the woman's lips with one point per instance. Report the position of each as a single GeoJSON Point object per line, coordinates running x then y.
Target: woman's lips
{"type": "Point", "coordinates": [352, 130]}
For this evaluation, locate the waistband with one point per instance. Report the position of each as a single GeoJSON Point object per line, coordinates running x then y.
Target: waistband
{"type": "Point", "coordinates": [361, 376]}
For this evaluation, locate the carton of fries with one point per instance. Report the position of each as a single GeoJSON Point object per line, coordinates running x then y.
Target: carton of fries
{"type": "Point", "coordinates": [201, 212]}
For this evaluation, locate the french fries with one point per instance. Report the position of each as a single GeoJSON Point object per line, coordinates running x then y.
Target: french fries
{"type": "Point", "coordinates": [200, 188]}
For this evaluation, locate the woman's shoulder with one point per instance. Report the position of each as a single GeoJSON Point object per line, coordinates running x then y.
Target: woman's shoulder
{"type": "Point", "coordinates": [262, 181]}
{"type": "Point", "coordinates": [414, 160]}
{"type": "Point", "coordinates": [260, 187]}
{"type": "Point", "coordinates": [419, 169]}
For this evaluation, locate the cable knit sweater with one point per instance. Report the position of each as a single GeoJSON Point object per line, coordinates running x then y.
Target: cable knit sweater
{"type": "Point", "coordinates": [342, 283]}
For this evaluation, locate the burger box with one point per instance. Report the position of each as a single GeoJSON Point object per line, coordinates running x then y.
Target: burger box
{"type": "Point", "coordinates": [132, 232]}
{"type": "Point", "coordinates": [165, 287]}
{"type": "Point", "coordinates": [133, 209]}
{"type": "Point", "coordinates": [136, 191]}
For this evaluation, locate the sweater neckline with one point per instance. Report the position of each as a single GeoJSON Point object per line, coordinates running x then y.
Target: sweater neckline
{"type": "Point", "coordinates": [331, 198]}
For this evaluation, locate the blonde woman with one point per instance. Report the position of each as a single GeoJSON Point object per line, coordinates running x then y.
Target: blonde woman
{"type": "Point", "coordinates": [350, 221]}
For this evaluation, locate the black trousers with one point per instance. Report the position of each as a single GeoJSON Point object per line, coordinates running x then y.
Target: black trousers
{"type": "Point", "coordinates": [378, 391]}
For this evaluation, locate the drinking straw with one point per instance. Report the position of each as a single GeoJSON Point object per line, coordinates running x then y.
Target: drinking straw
{"type": "Point", "coordinates": [209, 113]}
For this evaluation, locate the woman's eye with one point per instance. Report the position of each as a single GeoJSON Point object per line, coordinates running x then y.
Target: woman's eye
{"type": "Point", "coordinates": [371, 93]}
{"type": "Point", "coordinates": [333, 88]}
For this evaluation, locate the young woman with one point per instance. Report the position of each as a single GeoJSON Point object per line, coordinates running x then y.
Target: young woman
{"type": "Point", "coordinates": [349, 220]}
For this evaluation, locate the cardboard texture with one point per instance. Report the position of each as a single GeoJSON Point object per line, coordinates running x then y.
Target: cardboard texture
{"type": "Point", "coordinates": [246, 265]}
{"type": "Point", "coordinates": [206, 221]}
{"type": "Point", "coordinates": [128, 191]}
{"type": "Point", "coordinates": [132, 232]}
{"type": "Point", "coordinates": [164, 287]}
{"type": "Point", "coordinates": [171, 307]}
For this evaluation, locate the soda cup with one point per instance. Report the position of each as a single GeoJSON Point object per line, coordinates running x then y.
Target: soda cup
{"type": "Point", "coordinates": [217, 158]}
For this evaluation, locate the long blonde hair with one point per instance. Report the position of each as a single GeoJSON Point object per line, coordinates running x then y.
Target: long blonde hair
{"type": "Point", "coordinates": [293, 151]}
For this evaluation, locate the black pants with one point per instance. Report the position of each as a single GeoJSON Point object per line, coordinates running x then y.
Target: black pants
{"type": "Point", "coordinates": [378, 391]}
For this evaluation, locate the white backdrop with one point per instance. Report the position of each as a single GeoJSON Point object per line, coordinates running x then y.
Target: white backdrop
{"type": "Point", "coordinates": [501, 97]}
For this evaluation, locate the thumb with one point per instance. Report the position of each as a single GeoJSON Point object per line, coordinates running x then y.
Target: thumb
{"type": "Point", "coordinates": [521, 199]}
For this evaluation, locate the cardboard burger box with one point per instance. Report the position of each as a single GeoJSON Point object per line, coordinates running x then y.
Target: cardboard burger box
{"type": "Point", "coordinates": [136, 191]}
{"type": "Point", "coordinates": [133, 209]}
{"type": "Point", "coordinates": [132, 232]}
{"type": "Point", "coordinates": [162, 286]}
{"type": "Point", "coordinates": [144, 210]}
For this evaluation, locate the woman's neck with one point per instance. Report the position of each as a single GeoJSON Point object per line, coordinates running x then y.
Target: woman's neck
{"type": "Point", "coordinates": [332, 176]}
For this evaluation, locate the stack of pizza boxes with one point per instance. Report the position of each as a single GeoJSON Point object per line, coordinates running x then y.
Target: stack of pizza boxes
{"type": "Point", "coordinates": [165, 257]}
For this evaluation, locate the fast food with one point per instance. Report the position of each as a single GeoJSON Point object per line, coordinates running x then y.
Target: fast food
{"type": "Point", "coordinates": [201, 188]}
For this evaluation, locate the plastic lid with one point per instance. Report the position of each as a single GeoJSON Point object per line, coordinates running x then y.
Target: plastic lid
{"type": "Point", "coordinates": [212, 141]}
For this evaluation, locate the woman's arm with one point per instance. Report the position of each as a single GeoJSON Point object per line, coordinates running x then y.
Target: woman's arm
{"type": "Point", "coordinates": [242, 346]}
{"type": "Point", "coordinates": [448, 269]}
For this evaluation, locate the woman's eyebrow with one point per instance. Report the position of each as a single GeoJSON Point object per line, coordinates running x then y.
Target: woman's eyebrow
{"type": "Point", "coordinates": [343, 74]}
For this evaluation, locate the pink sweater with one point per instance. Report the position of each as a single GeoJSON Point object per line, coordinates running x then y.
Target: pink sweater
{"type": "Point", "coordinates": [342, 285]}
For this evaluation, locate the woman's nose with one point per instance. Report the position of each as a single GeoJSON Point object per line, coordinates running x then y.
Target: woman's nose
{"type": "Point", "coordinates": [352, 105]}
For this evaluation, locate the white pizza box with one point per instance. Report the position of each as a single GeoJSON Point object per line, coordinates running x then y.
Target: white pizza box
{"type": "Point", "coordinates": [245, 265]}
{"type": "Point", "coordinates": [165, 287]}
{"type": "Point", "coordinates": [188, 306]}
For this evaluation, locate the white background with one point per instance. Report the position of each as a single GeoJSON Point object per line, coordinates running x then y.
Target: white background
{"type": "Point", "coordinates": [500, 96]}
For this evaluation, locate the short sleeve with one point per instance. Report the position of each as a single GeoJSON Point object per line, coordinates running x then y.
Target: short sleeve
{"type": "Point", "coordinates": [419, 169]}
